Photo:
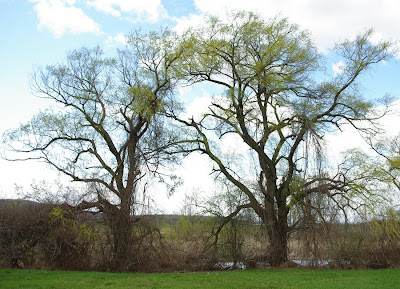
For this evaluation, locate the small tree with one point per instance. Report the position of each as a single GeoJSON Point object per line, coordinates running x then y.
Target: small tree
{"type": "Point", "coordinates": [274, 103]}
{"type": "Point", "coordinates": [106, 130]}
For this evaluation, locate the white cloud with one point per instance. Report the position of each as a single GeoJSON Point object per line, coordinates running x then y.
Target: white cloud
{"type": "Point", "coordinates": [148, 10]}
{"type": "Point", "coordinates": [329, 21]}
{"type": "Point", "coordinates": [118, 39]}
{"type": "Point", "coordinates": [185, 22]}
{"type": "Point", "coordinates": [60, 16]}
{"type": "Point", "coordinates": [233, 144]}
{"type": "Point", "coordinates": [198, 107]}
{"type": "Point", "coordinates": [339, 142]}
{"type": "Point", "coordinates": [338, 68]}
{"type": "Point", "coordinates": [349, 138]}
{"type": "Point", "coordinates": [390, 122]}
{"type": "Point", "coordinates": [121, 38]}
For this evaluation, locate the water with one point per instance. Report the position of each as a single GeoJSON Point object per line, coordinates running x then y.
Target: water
{"type": "Point", "coordinates": [242, 266]}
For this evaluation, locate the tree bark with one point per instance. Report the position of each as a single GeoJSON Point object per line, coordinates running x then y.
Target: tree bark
{"type": "Point", "coordinates": [277, 233]}
{"type": "Point", "coordinates": [278, 251]}
{"type": "Point", "coordinates": [122, 238]}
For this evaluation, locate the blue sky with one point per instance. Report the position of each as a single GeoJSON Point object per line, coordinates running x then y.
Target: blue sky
{"type": "Point", "coordinates": [40, 32]}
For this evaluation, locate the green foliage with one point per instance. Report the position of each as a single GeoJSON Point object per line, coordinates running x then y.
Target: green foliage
{"type": "Point", "coordinates": [190, 228]}
{"type": "Point", "coordinates": [395, 162]}
{"type": "Point", "coordinates": [388, 227]}
{"type": "Point", "coordinates": [69, 243]}
{"type": "Point", "coordinates": [66, 219]}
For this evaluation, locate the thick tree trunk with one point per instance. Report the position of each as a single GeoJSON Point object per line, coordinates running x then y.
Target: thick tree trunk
{"type": "Point", "coordinates": [278, 246]}
{"type": "Point", "coordinates": [122, 239]}
{"type": "Point", "coordinates": [120, 225]}
{"type": "Point", "coordinates": [276, 226]}
{"type": "Point", "coordinates": [278, 250]}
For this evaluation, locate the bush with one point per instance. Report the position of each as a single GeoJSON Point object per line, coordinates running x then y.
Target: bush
{"type": "Point", "coordinates": [68, 244]}
{"type": "Point", "coordinates": [34, 235]}
{"type": "Point", "coordinates": [23, 225]}
{"type": "Point", "coordinates": [384, 249]}
{"type": "Point", "coordinates": [45, 236]}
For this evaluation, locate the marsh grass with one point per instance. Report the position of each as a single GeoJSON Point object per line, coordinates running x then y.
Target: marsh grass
{"type": "Point", "coordinates": [257, 278]}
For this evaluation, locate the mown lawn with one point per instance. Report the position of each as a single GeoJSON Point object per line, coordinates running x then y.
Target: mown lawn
{"type": "Point", "coordinates": [259, 278]}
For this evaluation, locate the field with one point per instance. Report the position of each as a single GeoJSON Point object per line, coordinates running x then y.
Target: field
{"type": "Point", "coordinates": [258, 278]}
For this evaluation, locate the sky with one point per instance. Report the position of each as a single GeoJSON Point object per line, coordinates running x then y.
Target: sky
{"type": "Point", "coordinates": [36, 33]}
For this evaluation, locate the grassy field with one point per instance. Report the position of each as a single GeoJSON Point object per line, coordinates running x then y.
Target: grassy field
{"type": "Point", "coordinates": [260, 278]}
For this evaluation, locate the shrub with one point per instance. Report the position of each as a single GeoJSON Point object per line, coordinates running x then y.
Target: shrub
{"type": "Point", "coordinates": [23, 225]}
{"type": "Point", "coordinates": [68, 244]}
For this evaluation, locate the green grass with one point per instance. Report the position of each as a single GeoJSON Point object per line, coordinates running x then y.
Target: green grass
{"type": "Point", "coordinates": [260, 278]}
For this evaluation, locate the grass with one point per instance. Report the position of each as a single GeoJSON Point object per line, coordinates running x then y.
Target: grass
{"type": "Point", "coordinates": [259, 278]}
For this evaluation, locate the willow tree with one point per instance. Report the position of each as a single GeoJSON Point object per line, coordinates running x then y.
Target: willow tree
{"type": "Point", "coordinates": [105, 129]}
{"type": "Point", "coordinates": [278, 102]}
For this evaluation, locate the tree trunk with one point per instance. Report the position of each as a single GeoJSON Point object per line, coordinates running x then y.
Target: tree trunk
{"type": "Point", "coordinates": [277, 229]}
{"type": "Point", "coordinates": [278, 253]}
{"type": "Point", "coordinates": [277, 237]}
{"type": "Point", "coordinates": [278, 249]}
{"type": "Point", "coordinates": [121, 227]}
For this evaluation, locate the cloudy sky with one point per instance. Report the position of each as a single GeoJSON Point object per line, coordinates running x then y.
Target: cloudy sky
{"type": "Point", "coordinates": [40, 32]}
